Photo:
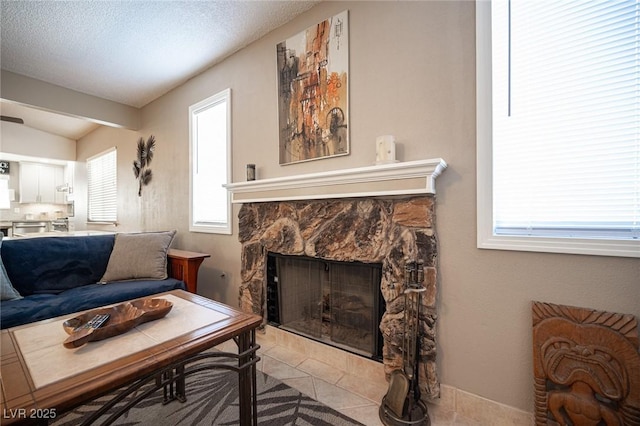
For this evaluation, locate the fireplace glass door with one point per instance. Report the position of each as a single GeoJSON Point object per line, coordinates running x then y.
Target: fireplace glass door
{"type": "Point", "coordinates": [334, 302]}
{"type": "Point", "coordinates": [300, 283]}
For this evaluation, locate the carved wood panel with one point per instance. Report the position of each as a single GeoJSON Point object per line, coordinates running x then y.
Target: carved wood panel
{"type": "Point", "coordinates": [586, 366]}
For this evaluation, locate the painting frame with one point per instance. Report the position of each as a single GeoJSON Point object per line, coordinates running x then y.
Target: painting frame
{"type": "Point", "coordinates": [313, 92]}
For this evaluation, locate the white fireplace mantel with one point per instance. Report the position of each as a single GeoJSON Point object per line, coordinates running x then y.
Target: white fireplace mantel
{"type": "Point", "coordinates": [404, 178]}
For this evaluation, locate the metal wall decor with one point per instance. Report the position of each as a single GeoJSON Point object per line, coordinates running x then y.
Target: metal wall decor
{"type": "Point", "coordinates": [141, 169]}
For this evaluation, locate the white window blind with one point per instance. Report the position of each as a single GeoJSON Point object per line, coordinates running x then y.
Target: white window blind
{"type": "Point", "coordinates": [102, 187]}
{"type": "Point", "coordinates": [566, 118]}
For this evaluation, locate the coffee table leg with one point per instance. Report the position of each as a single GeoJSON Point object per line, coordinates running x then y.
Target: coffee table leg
{"type": "Point", "coordinates": [175, 389]}
{"type": "Point", "coordinates": [247, 380]}
{"type": "Point", "coordinates": [167, 389]}
{"type": "Point", "coordinates": [181, 393]}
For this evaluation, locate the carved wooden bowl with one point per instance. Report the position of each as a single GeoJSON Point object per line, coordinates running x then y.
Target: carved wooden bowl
{"type": "Point", "coordinates": [123, 317]}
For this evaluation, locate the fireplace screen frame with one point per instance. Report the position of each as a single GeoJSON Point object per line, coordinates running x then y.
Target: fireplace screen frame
{"type": "Point", "coordinates": [328, 298]}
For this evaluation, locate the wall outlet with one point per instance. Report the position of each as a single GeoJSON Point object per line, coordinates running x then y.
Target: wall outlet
{"type": "Point", "coordinates": [16, 210]}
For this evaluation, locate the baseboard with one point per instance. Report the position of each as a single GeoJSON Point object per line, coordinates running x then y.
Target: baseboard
{"type": "Point", "coordinates": [455, 403]}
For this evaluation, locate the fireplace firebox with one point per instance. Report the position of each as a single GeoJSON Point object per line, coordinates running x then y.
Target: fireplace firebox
{"type": "Point", "coordinates": [333, 302]}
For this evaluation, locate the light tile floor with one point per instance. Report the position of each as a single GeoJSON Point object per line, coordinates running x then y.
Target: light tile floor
{"type": "Point", "coordinates": [347, 383]}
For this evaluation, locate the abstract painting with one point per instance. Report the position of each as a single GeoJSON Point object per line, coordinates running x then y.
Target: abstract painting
{"type": "Point", "coordinates": [313, 77]}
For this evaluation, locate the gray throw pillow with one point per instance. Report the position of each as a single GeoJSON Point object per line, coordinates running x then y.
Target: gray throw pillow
{"type": "Point", "coordinates": [138, 256]}
{"type": "Point", "coordinates": [7, 292]}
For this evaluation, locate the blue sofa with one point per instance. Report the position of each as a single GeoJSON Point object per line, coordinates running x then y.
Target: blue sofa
{"type": "Point", "coordinates": [60, 275]}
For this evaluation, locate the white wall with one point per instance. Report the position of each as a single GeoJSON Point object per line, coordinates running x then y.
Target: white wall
{"type": "Point", "coordinates": [21, 140]}
{"type": "Point", "coordinates": [29, 91]}
{"type": "Point", "coordinates": [412, 74]}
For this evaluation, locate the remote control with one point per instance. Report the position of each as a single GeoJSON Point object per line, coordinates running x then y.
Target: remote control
{"type": "Point", "coordinates": [82, 334]}
{"type": "Point", "coordinates": [95, 322]}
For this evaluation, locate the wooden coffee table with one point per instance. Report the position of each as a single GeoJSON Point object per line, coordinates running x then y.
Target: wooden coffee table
{"type": "Point", "coordinates": [41, 379]}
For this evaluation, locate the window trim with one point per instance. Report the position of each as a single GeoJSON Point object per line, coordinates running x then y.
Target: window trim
{"type": "Point", "coordinates": [486, 239]}
{"type": "Point", "coordinates": [210, 227]}
{"type": "Point", "coordinates": [115, 172]}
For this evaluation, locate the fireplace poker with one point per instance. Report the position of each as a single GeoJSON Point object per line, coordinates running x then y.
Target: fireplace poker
{"type": "Point", "coordinates": [412, 341]}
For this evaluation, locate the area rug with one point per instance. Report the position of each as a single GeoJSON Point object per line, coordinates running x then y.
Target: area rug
{"type": "Point", "coordinates": [212, 399]}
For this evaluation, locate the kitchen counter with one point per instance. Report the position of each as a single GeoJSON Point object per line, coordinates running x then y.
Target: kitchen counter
{"type": "Point", "coordinates": [28, 220]}
{"type": "Point", "coordinates": [61, 234]}
{"type": "Point", "coordinates": [10, 222]}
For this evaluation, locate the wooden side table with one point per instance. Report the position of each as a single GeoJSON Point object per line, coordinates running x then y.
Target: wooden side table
{"type": "Point", "coordinates": [183, 265]}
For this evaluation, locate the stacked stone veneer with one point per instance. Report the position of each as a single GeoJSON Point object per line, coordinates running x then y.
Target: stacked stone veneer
{"type": "Point", "coordinates": [389, 231]}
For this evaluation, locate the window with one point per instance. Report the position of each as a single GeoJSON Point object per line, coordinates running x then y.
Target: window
{"type": "Point", "coordinates": [558, 124]}
{"type": "Point", "coordinates": [102, 187]}
{"type": "Point", "coordinates": [210, 135]}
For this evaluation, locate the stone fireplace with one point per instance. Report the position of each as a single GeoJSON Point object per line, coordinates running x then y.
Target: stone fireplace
{"type": "Point", "coordinates": [381, 215]}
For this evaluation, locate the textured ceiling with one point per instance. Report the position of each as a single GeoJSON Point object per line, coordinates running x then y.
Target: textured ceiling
{"type": "Point", "coordinates": [131, 52]}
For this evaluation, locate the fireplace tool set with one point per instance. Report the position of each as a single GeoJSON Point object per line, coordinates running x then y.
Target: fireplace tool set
{"type": "Point", "coordinates": [402, 404]}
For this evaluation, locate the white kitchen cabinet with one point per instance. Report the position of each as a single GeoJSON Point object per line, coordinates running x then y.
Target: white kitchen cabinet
{"type": "Point", "coordinates": [59, 179]}
{"type": "Point", "coordinates": [38, 183]}
{"type": "Point", "coordinates": [29, 182]}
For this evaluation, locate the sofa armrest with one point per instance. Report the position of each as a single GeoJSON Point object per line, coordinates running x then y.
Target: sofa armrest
{"type": "Point", "coordinates": [183, 265]}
